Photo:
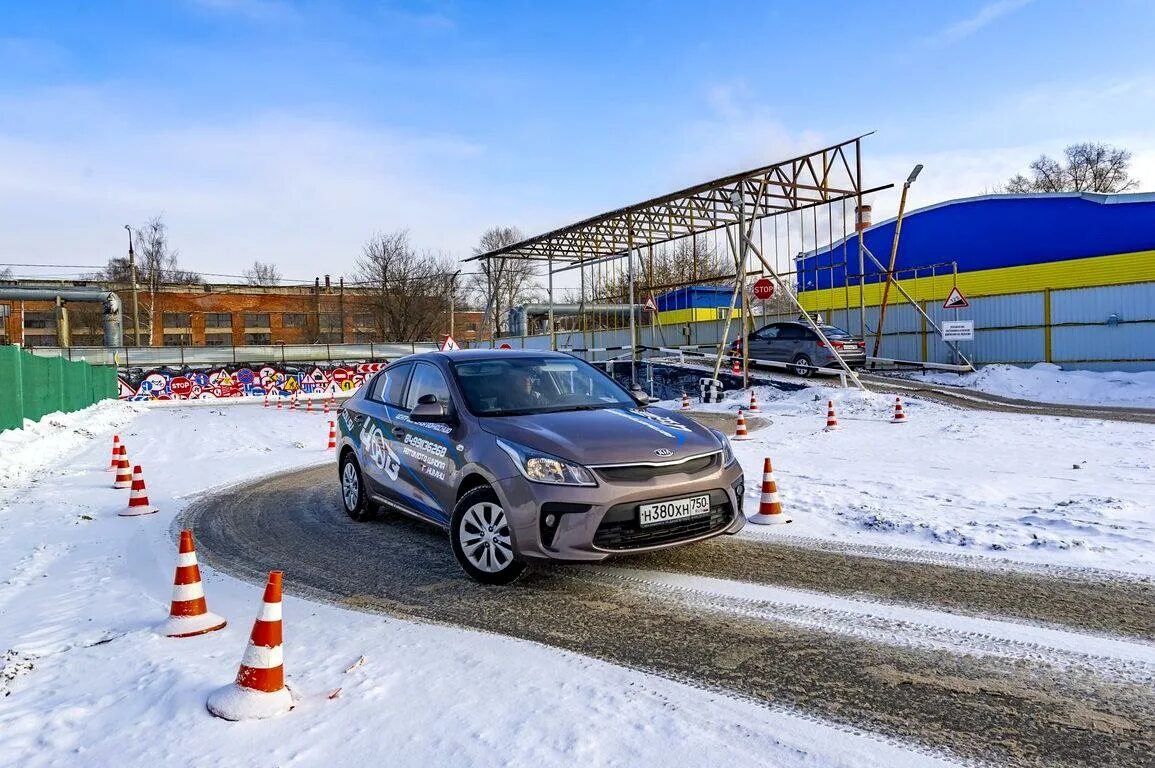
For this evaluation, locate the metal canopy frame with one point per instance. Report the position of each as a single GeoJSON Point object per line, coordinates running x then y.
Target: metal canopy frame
{"type": "Point", "coordinates": [821, 177]}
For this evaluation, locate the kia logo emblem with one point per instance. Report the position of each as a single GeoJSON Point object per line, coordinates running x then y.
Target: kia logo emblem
{"type": "Point", "coordinates": [664, 452]}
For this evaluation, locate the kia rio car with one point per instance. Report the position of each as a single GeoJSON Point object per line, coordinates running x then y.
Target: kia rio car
{"type": "Point", "coordinates": [531, 456]}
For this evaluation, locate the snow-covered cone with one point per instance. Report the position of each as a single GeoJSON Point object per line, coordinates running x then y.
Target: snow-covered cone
{"type": "Point", "coordinates": [259, 690]}
{"type": "Point", "coordinates": [769, 506]}
{"type": "Point", "coordinates": [138, 497]}
{"type": "Point", "coordinates": [189, 614]}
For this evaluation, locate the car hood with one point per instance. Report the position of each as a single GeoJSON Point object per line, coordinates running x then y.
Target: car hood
{"type": "Point", "coordinates": [607, 435]}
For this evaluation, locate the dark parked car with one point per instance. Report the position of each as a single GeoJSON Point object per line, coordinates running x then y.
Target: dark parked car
{"type": "Point", "coordinates": [527, 455]}
{"type": "Point", "coordinates": [796, 343]}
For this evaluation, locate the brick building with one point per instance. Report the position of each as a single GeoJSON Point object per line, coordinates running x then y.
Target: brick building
{"type": "Point", "coordinates": [218, 315]}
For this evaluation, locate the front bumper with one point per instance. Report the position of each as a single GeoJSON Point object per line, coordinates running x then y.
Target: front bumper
{"type": "Point", "coordinates": [593, 523]}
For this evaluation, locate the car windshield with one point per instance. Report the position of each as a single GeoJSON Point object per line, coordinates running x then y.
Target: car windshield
{"type": "Point", "coordinates": [516, 386]}
{"type": "Point", "coordinates": [833, 332]}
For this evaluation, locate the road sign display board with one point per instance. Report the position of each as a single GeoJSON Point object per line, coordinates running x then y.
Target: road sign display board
{"type": "Point", "coordinates": [763, 289]}
{"type": "Point", "coordinates": [958, 330]}
{"type": "Point", "coordinates": [955, 300]}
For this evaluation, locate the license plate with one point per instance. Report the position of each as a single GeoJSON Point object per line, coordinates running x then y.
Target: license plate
{"type": "Point", "coordinates": [677, 509]}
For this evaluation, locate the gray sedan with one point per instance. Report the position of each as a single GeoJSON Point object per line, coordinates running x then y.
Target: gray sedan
{"type": "Point", "coordinates": [797, 344]}
{"type": "Point", "coordinates": [528, 456]}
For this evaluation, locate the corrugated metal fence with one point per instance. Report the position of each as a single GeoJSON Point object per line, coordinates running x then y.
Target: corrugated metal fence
{"type": "Point", "coordinates": [32, 386]}
{"type": "Point", "coordinates": [1100, 328]}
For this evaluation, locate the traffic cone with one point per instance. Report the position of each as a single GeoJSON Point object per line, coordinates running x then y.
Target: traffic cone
{"type": "Point", "coordinates": [266, 399]}
{"type": "Point", "coordinates": [123, 472]}
{"type": "Point", "coordinates": [259, 690]}
{"type": "Point", "coordinates": [332, 446]}
{"type": "Point", "coordinates": [189, 613]}
{"type": "Point", "coordinates": [115, 453]}
{"type": "Point", "coordinates": [685, 402]}
{"type": "Point", "coordinates": [279, 399]}
{"type": "Point", "coordinates": [292, 402]}
{"type": "Point", "coordinates": [735, 368]}
{"type": "Point", "coordinates": [308, 405]}
{"type": "Point", "coordinates": [137, 497]}
{"type": "Point", "coordinates": [326, 406]}
{"type": "Point", "coordinates": [740, 432]}
{"type": "Point", "coordinates": [831, 419]}
{"type": "Point", "coordinates": [754, 403]}
{"type": "Point", "coordinates": [769, 507]}
{"type": "Point", "coordinates": [899, 414]}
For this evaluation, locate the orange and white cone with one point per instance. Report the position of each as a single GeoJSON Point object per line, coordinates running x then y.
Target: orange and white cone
{"type": "Point", "coordinates": [326, 406]}
{"type": "Point", "coordinates": [899, 414]}
{"type": "Point", "coordinates": [123, 471]}
{"type": "Point", "coordinates": [740, 432]}
{"type": "Point", "coordinates": [138, 497]}
{"type": "Point", "coordinates": [279, 401]}
{"type": "Point", "coordinates": [115, 453]}
{"type": "Point", "coordinates": [332, 446]}
{"type": "Point", "coordinates": [685, 402]}
{"type": "Point", "coordinates": [769, 506]}
{"type": "Point", "coordinates": [259, 690]}
{"type": "Point", "coordinates": [754, 403]}
{"type": "Point", "coordinates": [292, 402]}
{"type": "Point", "coordinates": [736, 368]}
{"type": "Point", "coordinates": [189, 614]}
{"type": "Point", "coordinates": [831, 419]}
{"type": "Point", "coordinates": [308, 405]}
{"type": "Point", "coordinates": [266, 399]}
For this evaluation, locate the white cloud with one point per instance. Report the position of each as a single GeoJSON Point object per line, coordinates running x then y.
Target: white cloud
{"type": "Point", "coordinates": [986, 15]}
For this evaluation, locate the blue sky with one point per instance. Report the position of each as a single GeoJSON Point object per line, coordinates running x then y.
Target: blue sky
{"type": "Point", "coordinates": [291, 131]}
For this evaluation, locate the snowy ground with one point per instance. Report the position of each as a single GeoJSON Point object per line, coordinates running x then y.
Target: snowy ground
{"type": "Point", "coordinates": [1038, 489]}
{"type": "Point", "coordinates": [88, 682]}
{"type": "Point", "coordinates": [1048, 383]}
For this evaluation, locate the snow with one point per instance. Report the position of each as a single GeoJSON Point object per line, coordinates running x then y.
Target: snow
{"type": "Point", "coordinates": [1031, 489]}
{"type": "Point", "coordinates": [1048, 383]}
{"type": "Point", "coordinates": [90, 681]}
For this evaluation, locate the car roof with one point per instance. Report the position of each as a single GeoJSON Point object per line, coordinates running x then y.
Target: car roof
{"type": "Point", "coordinates": [485, 354]}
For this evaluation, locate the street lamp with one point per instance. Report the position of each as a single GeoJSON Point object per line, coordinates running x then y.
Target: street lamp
{"type": "Point", "coordinates": [893, 254]}
{"type": "Point", "coordinates": [132, 277]}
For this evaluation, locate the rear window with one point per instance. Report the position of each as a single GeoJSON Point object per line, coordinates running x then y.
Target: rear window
{"type": "Point", "coordinates": [834, 332]}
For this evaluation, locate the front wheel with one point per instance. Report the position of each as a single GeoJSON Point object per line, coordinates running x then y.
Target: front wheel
{"type": "Point", "coordinates": [479, 532]}
{"type": "Point", "coordinates": [354, 497]}
{"type": "Point", "coordinates": [802, 366]}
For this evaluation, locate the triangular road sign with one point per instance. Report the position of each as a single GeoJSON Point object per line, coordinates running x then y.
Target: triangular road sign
{"type": "Point", "coordinates": [955, 300]}
{"type": "Point", "coordinates": [449, 344]}
{"type": "Point", "coordinates": [651, 305]}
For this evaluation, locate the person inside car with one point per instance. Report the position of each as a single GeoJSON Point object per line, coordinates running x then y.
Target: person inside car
{"type": "Point", "coordinates": [522, 394]}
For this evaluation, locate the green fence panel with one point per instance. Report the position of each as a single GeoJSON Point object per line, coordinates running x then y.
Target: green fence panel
{"type": "Point", "coordinates": [32, 386]}
{"type": "Point", "coordinates": [11, 388]}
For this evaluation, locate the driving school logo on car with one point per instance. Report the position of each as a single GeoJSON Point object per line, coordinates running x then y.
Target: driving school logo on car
{"type": "Point", "coordinates": [377, 449]}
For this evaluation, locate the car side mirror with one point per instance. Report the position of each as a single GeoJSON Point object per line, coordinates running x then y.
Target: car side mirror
{"type": "Point", "coordinates": [639, 394]}
{"type": "Point", "coordinates": [430, 409]}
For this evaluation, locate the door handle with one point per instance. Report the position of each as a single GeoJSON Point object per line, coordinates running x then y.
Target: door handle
{"type": "Point", "coordinates": [398, 432]}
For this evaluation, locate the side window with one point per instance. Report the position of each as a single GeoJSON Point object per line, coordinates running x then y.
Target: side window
{"type": "Point", "coordinates": [427, 380]}
{"type": "Point", "coordinates": [769, 332]}
{"type": "Point", "coordinates": [792, 332]}
{"type": "Point", "coordinates": [389, 386]}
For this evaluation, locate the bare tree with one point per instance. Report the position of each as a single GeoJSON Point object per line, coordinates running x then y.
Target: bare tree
{"type": "Point", "coordinates": [1089, 167]}
{"type": "Point", "coordinates": [501, 283]}
{"type": "Point", "coordinates": [156, 265]}
{"type": "Point", "coordinates": [262, 273]}
{"type": "Point", "coordinates": [410, 299]}
{"type": "Point", "coordinates": [684, 262]}
{"type": "Point", "coordinates": [6, 273]}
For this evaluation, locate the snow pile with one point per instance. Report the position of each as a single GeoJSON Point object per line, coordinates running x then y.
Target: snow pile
{"type": "Point", "coordinates": [1037, 489]}
{"type": "Point", "coordinates": [87, 680]}
{"type": "Point", "coordinates": [1048, 383]}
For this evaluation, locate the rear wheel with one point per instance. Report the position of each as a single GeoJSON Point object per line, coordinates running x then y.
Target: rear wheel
{"type": "Point", "coordinates": [482, 544]}
{"type": "Point", "coordinates": [354, 497]}
{"type": "Point", "coordinates": [802, 366]}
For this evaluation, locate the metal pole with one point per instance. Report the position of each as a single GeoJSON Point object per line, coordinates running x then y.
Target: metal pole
{"type": "Point", "coordinates": [861, 242]}
{"type": "Point", "coordinates": [893, 256]}
{"type": "Point", "coordinates": [742, 287]}
{"type": "Point", "coordinates": [552, 334]}
{"type": "Point", "coordinates": [630, 272]}
{"type": "Point", "coordinates": [132, 276]}
{"type": "Point", "coordinates": [452, 298]}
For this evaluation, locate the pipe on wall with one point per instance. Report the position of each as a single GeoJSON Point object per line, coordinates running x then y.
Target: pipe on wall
{"type": "Point", "coordinates": [519, 316]}
{"type": "Point", "coordinates": [109, 301]}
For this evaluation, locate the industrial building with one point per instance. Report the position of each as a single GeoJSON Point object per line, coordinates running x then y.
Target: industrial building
{"type": "Point", "coordinates": [1066, 278]}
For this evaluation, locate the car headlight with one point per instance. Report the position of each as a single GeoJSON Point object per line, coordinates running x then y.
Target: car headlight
{"type": "Point", "coordinates": [540, 467]}
{"type": "Point", "coordinates": [727, 451]}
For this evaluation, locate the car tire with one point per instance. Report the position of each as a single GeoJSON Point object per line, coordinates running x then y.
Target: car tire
{"type": "Point", "coordinates": [354, 497]}
{"type": "Point", "coordinates": [801, 366]}
{"type": "Point", "coordinates": [482, 544]}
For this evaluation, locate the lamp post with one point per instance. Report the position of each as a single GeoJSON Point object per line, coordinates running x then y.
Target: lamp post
{"type": "Point", "coordinates": [452, 299]}
{"type": "Point", "coordinates": [132, 277]}
{"type": "Point", "coordinates": [893, 254]}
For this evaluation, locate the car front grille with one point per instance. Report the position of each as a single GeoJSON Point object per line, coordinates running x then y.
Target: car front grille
{"type": "Point", "coordinates": [639, 473]}
{"type": "Point", "coordinates": [620, 531]}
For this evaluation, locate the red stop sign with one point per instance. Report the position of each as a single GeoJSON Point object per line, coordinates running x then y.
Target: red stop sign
{"type": "Point", "coordinates": [180, 386]}
{"type": "Point", "coordinates": [763, 289]}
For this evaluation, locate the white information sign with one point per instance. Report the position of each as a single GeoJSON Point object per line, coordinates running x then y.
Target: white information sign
{"type": "Point", "coordinates": [958, 330]}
